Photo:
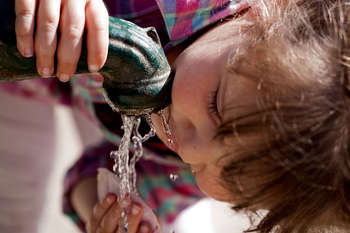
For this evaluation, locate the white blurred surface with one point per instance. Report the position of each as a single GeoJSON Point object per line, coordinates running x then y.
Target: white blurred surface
{"type": "Point", "coordinates": [68, 149]}
{"type": "Point", "coordinates": [207, 216]}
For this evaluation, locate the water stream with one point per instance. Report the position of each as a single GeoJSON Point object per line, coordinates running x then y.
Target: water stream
{"type": "Point", "coordinates": [124, 164]}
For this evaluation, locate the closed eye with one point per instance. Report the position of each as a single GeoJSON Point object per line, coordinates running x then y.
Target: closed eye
{"type": "Point", "coordinates": [213, 107]}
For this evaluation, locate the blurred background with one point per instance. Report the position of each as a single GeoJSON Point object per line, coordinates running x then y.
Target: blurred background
{"type": "Point", "coordinates": [207, 216]}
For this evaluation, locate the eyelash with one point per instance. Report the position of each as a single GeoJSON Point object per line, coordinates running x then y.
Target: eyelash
{"type": "Point", "coordinates": [213, 105]}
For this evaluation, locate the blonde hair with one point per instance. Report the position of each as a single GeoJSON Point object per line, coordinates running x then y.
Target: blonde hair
{"type": "Point", "coordinates": [299, 166]}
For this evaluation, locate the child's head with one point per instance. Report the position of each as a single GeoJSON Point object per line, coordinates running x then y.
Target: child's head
{"type": "Point", "coordinates": [270, 128]}
{"type": "Point", "coordinates": [292, 156]}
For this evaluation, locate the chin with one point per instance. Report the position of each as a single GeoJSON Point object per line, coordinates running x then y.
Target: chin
{"type": "Point", "coordinates": [212, 188]}
{"type": "Point", "coordinates": [217, 196]}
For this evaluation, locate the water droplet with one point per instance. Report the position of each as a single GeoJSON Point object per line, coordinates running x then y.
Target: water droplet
{"type": "Point", "coordinates": [173, 177]}
{"type": "Point", "coordinates": [166, 128]}
{"type": "Point", "coordinates": [123, 227]}
{"type": "Point", "coordinates": [259, 85]}
{"type": "Point", "coordinates": [123, 214]}
{"type": "Point", "coordinates": [124, 166]}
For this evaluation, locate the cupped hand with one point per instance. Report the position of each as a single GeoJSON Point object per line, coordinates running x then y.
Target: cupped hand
{"type": "Point", "coordinates": [37, 23]}
{"type": "Point", "coordinates": [107, 214]}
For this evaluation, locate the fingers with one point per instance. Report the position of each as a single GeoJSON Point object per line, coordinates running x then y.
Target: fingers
{"type": "Point", "coordinates": [46, 35]}
{"type": "Point", "coordinates": [24, 26]}
{"type": "Point", "coordinates": [99, 211]}
{"type": "Point", "coordinates": [97, 34]}
{"type": "Point", "coordinates": [110, 221]}
{"type": "Point", "coordinates": [134, 218]}
{"type": "Point", "coordinates": [107, 216]}
{"type": "Point", "coordinates": [144, 228]}
{"type": "Point", "coordinates": [70, 16]}
{"type": "Point", "coordinates": [72, 27]}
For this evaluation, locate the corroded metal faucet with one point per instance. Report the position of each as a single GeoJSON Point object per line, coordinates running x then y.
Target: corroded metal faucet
{"type": "Point", "coordinates": [137, 76]}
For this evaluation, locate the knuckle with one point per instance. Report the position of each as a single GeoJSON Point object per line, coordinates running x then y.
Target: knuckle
{"type": "Point", "coordinates": [51, 18]}
{"type": "Point", "coordinates": [24, 24]}
{"type": "Point", "coordinates": [25, 14]}
{"type": "Point", "coordinates": [47, 27]}
{"type": "Point", "coordinates": [73, 32]}
{"type": "Point", "coordinates": [24, 27]}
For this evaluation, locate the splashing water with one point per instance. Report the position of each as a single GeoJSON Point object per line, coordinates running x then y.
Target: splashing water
{"type": "Point", "coordinates": [173, 177]}
{"type": "Point", "coordinates": [166, 128]}
{"type": "Point", "coordinates": [124, 166]}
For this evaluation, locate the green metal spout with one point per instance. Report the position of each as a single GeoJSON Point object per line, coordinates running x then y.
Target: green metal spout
{"type": "Point", "coordinates": [137, 76]}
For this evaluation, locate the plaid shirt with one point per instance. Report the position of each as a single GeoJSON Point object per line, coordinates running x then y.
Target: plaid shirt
{"type": "Point", "coordinates": [182, 17]}
{"type": "Point", "coordinates": [185, 17]}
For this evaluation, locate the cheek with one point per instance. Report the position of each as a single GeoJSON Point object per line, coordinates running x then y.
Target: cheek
{"type": "Point", "coordinates": [185, 94]}
{"type": "Point", "coordinates": [190, 96]}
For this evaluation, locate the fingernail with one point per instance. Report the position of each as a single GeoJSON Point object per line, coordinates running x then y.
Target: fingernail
{"type": "Point", "coordinates": [63, 77]}
{"type": "Point", "coordinates": [110, 199]}
{"type": "Point", "coordinates": [144, 228]}
{"type": "Point", "coordinates": [45, 72]}
{"type": "Point", "coordinates": [93, 68]}
{"type": "Point", "coordinates": [135, 209]}
{"type": "Point", "coordinates": [28, 52]}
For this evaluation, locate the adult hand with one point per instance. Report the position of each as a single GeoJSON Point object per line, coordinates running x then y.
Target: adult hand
{"type": "Point", "coordinates": [71, 17]}
{"type": "Point", "coordinates": [107, 213]}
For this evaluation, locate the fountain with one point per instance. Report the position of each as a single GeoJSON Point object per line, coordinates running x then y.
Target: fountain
{"type": "Point", "coordinates": [137, 82]}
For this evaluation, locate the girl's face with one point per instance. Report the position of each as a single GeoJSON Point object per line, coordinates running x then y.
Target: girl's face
{"type": "Point", "coordinates": [201, 88]}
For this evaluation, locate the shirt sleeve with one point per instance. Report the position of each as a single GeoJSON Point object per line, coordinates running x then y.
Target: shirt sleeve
{"type": "Point", "coordinates": [166, 196]}
{"type": "Point", "coordinates": [93, 158]}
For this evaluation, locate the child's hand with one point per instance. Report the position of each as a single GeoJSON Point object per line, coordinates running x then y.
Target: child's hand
{"type": "Point", "coordinates": [107, 213]}
{"type": "Point", "coordinates": [72, 17]}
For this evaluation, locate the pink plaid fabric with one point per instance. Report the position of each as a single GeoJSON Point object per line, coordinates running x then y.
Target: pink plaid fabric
{"type": "Point", "coordinates": [185, 17]}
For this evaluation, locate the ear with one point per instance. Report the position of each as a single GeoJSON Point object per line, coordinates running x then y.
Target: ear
{"type": "Point", "coordinates": [152, 33]}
